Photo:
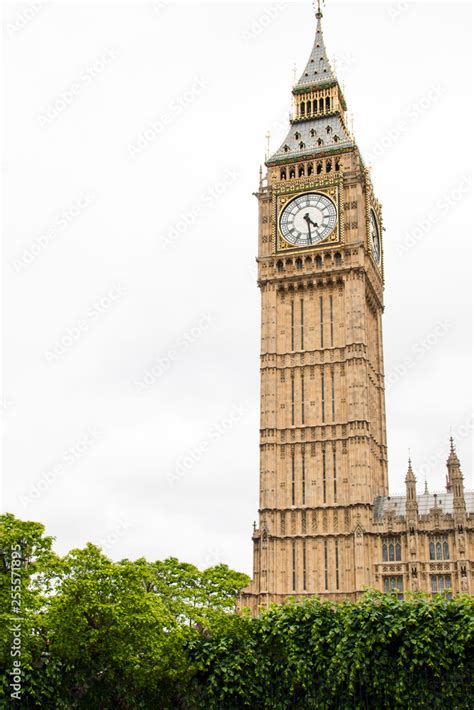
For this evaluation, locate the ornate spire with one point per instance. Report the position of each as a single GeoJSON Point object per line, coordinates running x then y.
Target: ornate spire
{"type": "Point", "coordinates": [318, 69]}
{"type": "Point", "coordinates": [410, 475]}
{"type": "Point", "coordinates": [455, 482]}
{"type": "Point", "coordinates": [410, 487]}
{"type": "Point", "coordinates": [318, 122]}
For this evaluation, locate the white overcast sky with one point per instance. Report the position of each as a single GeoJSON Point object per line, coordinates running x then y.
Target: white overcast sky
{"type": "Point", "coordinates": [133, 135]}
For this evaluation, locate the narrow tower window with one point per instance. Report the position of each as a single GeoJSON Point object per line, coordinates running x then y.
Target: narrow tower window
{"type": "Point", "coordinates": [303, 477]}
{"type": "Point", "coordinates": [302, 323]}
{"type": "Point", "coordinates": [292, 325]}
{"type": "Point", "coordinates": [293, 480]}
{"type": "Point", "coordinates": [328, 103]}
{"type": "Point", "coordinates": [321, 104]}
{"type": "Point", "coordinates": [292, 399]}
{"type": "Point", "coordinates": [333, 401]}
{"type": "Point", "coordinates": [302, 397]}
{"type": "Point", "coordinates": [293, 563]}
{"type": "Point", "coordinates": [321, 321]}
{"type": "Point", "coordinates": [326, 585]}
{"type": "Point", "coordinates": [322, 396]}
{"type": "Point", "coordinates": [304, 565]}
{"type": "Point", "coordinates": [334, 466]}
{"type": "Point", "coordinates": [324, 474]}
{"type": "Point", "coordinates": [336, 545]}
{"type": "Point", "coordinates": [331, 319]}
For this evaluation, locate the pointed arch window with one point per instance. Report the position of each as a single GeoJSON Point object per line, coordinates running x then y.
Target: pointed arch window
{"type": "Point", "coordinates": [283, 174]}
{"type": "Point", "coordinates": [310, 169]}
{"type": "Point", "coordinates": [321, 105]}
{"type": "Point", "coordinates": [292, 173]}
{"type": "Point", "coordinates": [302, 108]}
{"type": "Point", "coordinates": [302, 145]}
{"type": "Point", "coordinates": [336, 139]}
{"type": "Point", "coordinates": [297, 135]}
{"type": "Point", "coordinates": [391, 550]}
{"type": "Point", "coordinates": [320, 141]}
{"type": "Point", "coordinates": [312, 133]}
{"type": "Point", "coordinates": [286, 148]}
{"type": "Point", "coordinates": [319, 167]}
{"type": "Point", "coordinates": [328, 102]}
{"type": "Point", "coordinates": [315, 106]}
{"type": "Point", "coordinates": [439, 548]}
{"type": "Point", "coordinates": [328, 129]}
{"type": "Point", "coordinates": [301, 170]}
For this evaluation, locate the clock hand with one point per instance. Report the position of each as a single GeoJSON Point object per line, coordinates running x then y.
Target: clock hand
{"type": "Point", "coordinates": [307, 218]}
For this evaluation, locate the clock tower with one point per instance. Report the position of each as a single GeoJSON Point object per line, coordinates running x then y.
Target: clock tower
{"type": "Point", "coordinates": [323, 451]}
{"type": "Point", "coordinates": [327, 524]}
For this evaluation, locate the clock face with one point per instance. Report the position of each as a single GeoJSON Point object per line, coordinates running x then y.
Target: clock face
{"type": "Point", "coordinates": [375, 237]}
{"type": "Point", "coordinates": [308, 219]}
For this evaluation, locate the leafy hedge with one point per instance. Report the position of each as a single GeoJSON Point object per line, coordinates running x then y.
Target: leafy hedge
{"type": "Point", "coordinates": [102, 634]}
{"type": "Point", "coordinates": [381, 652]}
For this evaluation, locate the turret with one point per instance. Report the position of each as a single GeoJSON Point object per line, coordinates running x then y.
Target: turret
{"type": "Point", "coordinates": [411, 504]}
{"type": "Point", "coordinates": [455, 484]}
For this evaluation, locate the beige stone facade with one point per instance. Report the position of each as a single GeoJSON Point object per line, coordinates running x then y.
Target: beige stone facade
{"type": "Point", "coordinates": [327, 525]}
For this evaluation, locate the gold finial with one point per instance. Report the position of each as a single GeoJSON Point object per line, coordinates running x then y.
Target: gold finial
{"type": "Point", "coordinates": [319, 14]}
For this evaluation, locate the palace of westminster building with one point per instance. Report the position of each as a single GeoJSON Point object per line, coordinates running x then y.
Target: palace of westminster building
{"type": "Point", "coordinates": [327, 524]}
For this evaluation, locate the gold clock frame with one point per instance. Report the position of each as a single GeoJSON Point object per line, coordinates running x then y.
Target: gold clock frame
{"type": "Point", "coordinates": [283, 194]}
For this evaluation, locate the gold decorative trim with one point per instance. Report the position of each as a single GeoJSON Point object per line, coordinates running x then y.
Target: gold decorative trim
{"type": "Point", "coordinates": [331, 188]}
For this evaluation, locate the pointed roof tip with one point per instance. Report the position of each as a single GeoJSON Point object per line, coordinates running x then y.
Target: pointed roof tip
{"type": "Point", "coordinates": [426, 491]}
{"type": "Point", "coordinates": [410, 475]}
{"type": "Point", "coordinates": [453, 457]}
{"type": "Point", "coordinates": [318, 69]}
